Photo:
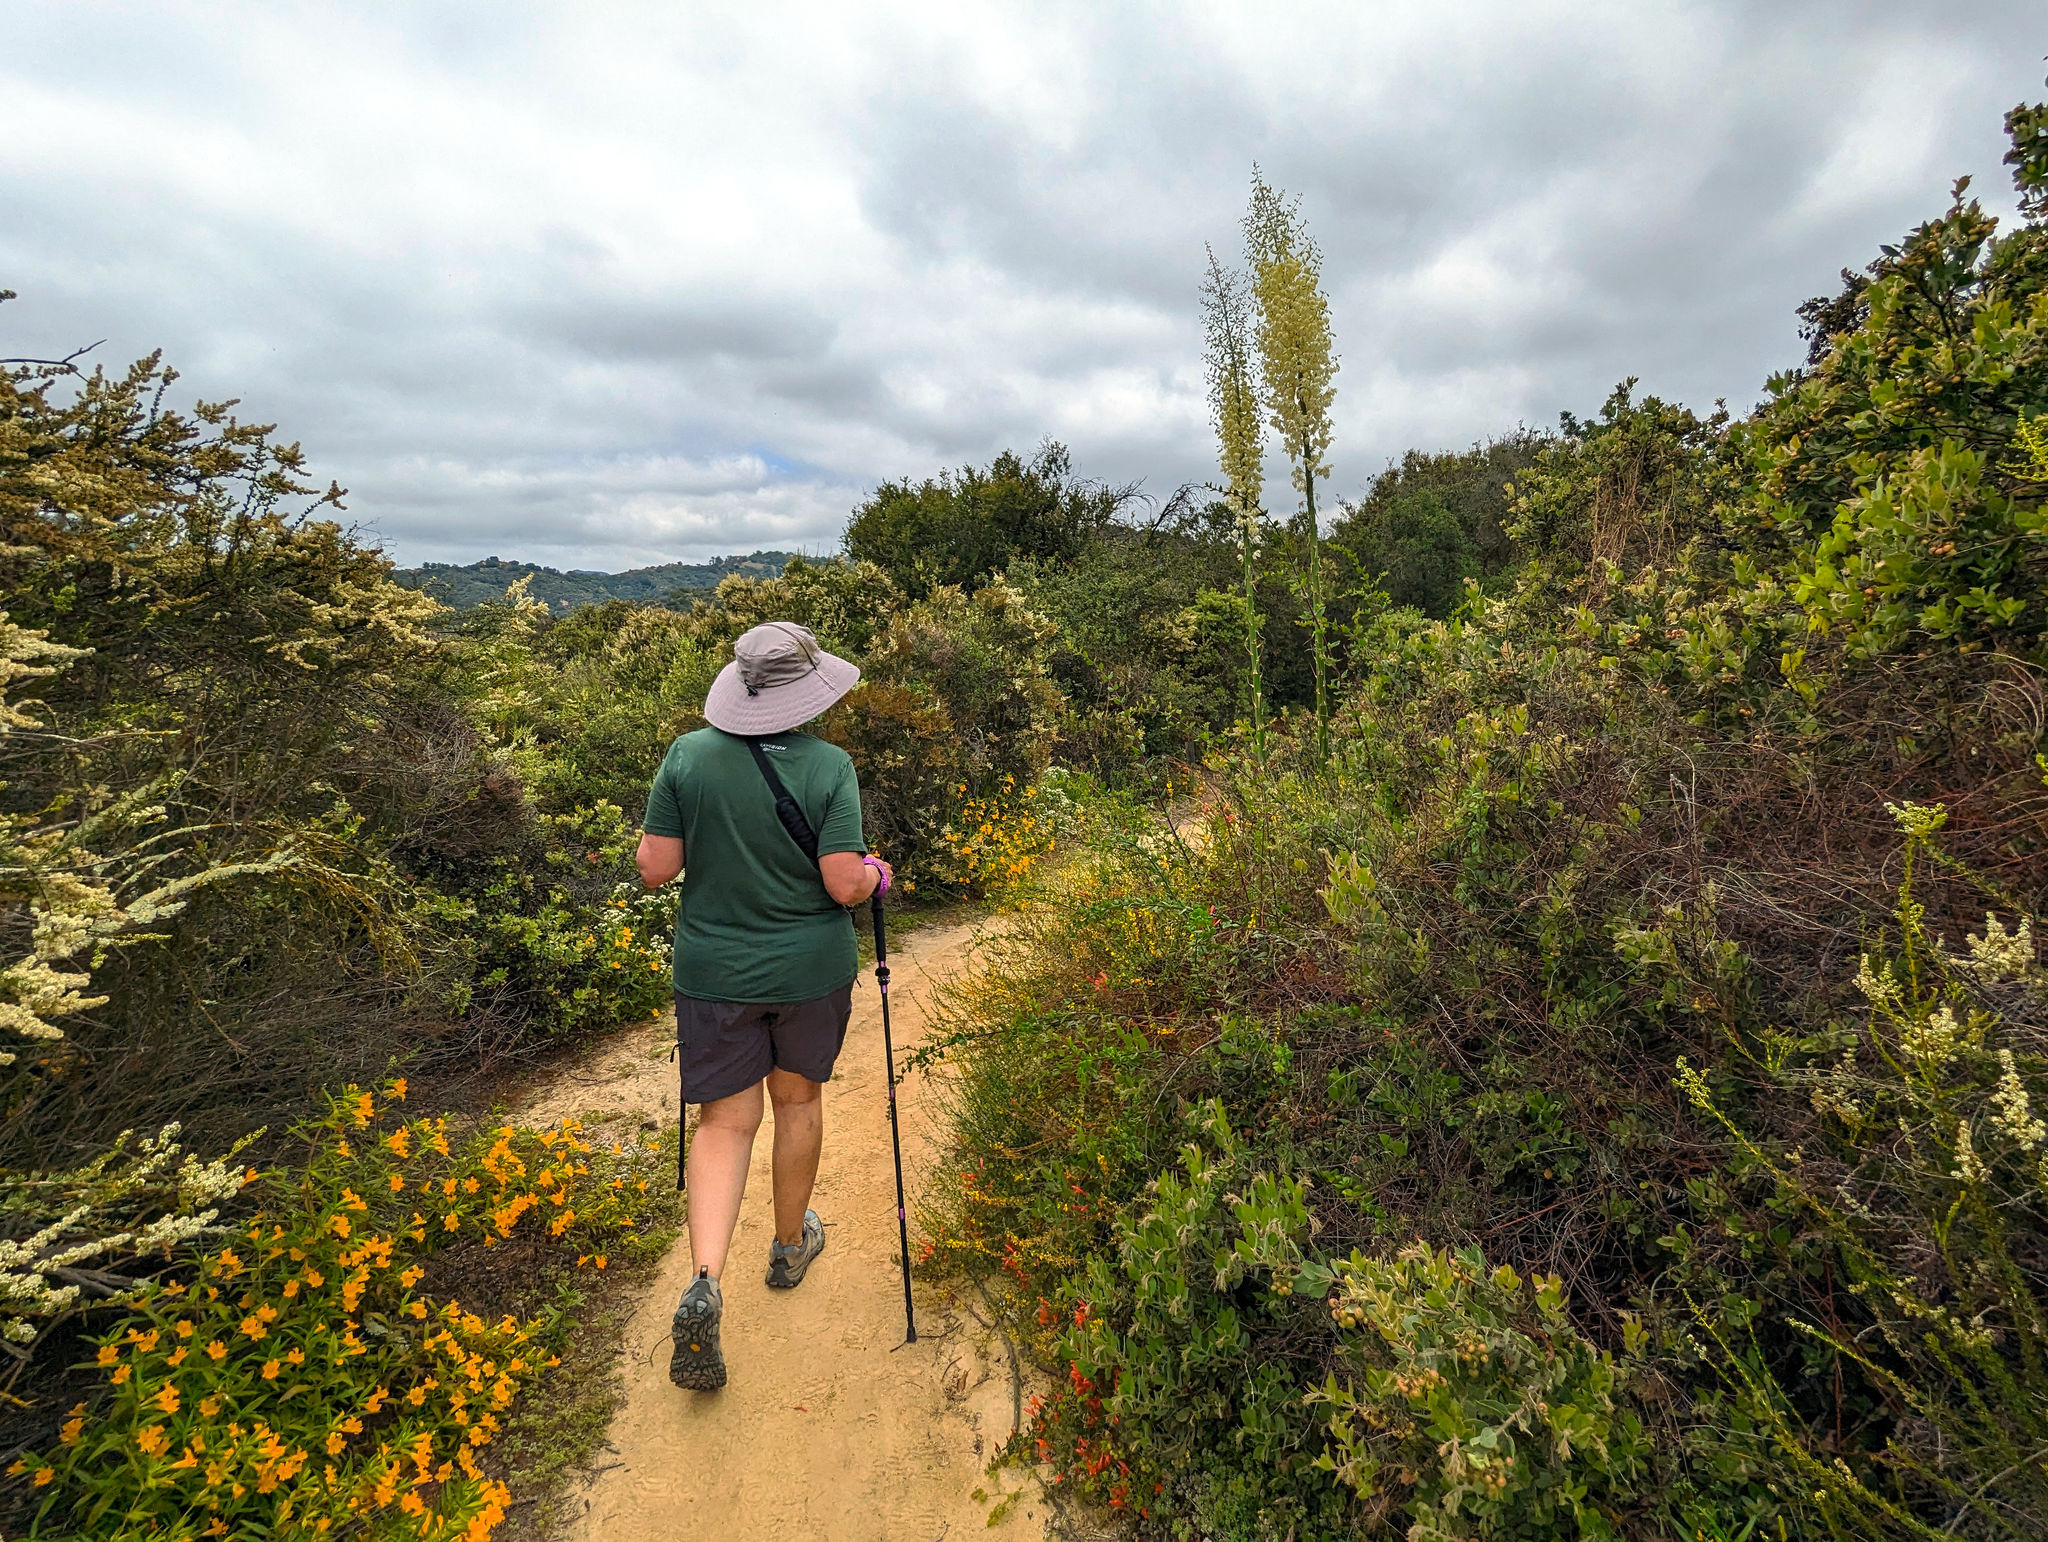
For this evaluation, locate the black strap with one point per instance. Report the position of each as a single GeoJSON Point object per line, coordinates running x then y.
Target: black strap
{"type": "Point", "coordinates": [786, 807]}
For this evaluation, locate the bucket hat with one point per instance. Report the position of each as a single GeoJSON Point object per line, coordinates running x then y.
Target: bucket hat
{"type": "Point", "coordinates": [778, 678]}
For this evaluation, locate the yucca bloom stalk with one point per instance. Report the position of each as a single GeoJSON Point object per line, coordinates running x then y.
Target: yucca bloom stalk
{"type": "Point", "coordinates": [1240, 453]}
{"type": "Point", "coordinates": [2030, 464]}
{"type": "Point", "coordinates": [1297, 370]}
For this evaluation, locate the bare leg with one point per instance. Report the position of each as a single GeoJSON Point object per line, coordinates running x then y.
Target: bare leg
{"type": "Point", "coordinates": [719, 1154]}
{"type": "Point", "coordinates": [799, 1135]}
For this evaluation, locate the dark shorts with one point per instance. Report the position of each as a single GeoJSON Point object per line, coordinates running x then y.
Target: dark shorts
{"type": "Point", "coordinates": [727, 1046]}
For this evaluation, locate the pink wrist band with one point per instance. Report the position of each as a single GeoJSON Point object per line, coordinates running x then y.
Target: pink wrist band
{"type": "Point", "coordinates": [881, 873]}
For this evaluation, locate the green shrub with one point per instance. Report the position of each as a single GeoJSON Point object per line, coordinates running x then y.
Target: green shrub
{"type": "Point", "coordinates": [545, 948]}
{"type": "Point", "coordinates": [620, 683]}
{"type": "Point", "coordinates": [1474, 1404]}
{"type": "Point", "coordinates": [1457, 1398]}
{"type": "Point", "coordinates": [957, 704]}
{"type": "Point", "coordinates": [1168, 1409]}
{"type": "Point", "coordinates": [847, 605]}
{"type": "Point", "coordinates": [1145, 653]}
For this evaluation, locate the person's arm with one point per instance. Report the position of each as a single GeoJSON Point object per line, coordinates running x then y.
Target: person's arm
{"type": "Point", "coordinates": [659, 858]}
{"type": "Point", "coordinates": [843, 863]}
{"type": "Point", "coordinates": [849, 877]}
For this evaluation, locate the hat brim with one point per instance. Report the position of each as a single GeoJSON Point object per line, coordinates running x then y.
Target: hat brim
{"type": "Point", "coordinates": [776, 709]}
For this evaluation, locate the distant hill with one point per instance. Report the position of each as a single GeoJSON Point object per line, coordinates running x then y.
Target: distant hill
{"type": "Point", "coordinates": [673, 583]}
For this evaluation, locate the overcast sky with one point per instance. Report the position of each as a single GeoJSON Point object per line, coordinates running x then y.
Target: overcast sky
{"type": "Point", "coordinates": [602, 285]}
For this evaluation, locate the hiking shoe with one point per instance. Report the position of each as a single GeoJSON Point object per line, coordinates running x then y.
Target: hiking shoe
{"type": "Point", "coordinates": [786, 1266]}
{"type": "Point", "coordinates": [697, 1363]}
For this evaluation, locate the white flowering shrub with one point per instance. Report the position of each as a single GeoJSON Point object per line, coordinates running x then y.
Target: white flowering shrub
{"type": "Point", "coordinates": [1932, 1197]}
{"type": "Point", "coordinates": [66, 896]}
{"type": "Point", "coordinates": [66, 1237]}
{"type": "Point", "coordinates": [69, 1235]}
{"type": "Point", "coordinates": [66, 908]}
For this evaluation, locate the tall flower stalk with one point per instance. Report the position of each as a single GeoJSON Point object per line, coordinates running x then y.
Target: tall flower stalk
{"type": "Point", "coordinates": [1240, 454]}
{"type": "Point", "coordinates": [1297, 373]}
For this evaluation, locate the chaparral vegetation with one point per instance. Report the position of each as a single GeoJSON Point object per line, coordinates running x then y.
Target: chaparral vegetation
{"type": "Point", "coordinates": [1519, 1015]}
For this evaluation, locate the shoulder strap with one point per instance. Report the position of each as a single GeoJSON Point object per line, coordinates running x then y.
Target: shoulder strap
{"type": "Point", "coordinates": [786, 807]}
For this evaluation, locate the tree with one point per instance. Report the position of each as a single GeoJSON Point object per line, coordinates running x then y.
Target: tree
{"type": "Point", "coordinates": [1241, 452]}
{"type": "Point", "coordinates": [1297, 372]}
{"type": "Point", "coordinates": [1391, 534]}
{"type": "Point", "coordinates": [1416, 548]}
{"type": "Point", "coordinates": [962, 528]}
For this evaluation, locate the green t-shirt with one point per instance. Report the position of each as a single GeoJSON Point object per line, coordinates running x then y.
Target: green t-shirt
{"type": "Point", "coordinates": [755, 923]}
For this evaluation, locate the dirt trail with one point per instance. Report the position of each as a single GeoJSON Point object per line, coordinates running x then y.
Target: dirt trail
{"type": "Point", "coordinates": [830, 1428]}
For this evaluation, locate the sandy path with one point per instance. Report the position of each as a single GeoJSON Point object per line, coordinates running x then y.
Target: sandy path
{"type": "Point", "coordinates": [831, 1428]}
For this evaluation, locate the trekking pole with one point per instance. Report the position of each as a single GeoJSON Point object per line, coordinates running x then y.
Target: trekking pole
{"type": "Point", "coordinates": [895, 1134]}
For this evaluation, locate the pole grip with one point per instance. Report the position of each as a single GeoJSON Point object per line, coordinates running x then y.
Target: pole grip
{"type": "Point", "coordinates": [881, 931]}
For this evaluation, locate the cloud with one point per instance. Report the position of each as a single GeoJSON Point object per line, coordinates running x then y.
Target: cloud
{"type": "Point", "coordinates": [607, 285]}
{"type": "Point", "coordinates": [644, 507]}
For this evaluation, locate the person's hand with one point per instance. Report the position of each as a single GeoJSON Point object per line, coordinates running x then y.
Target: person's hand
{"type": "Point", "coordinates": [885, 875]}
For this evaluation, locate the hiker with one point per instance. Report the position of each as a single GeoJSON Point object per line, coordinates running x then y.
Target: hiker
{"type": "Point", "coordinates": [764, 950]}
